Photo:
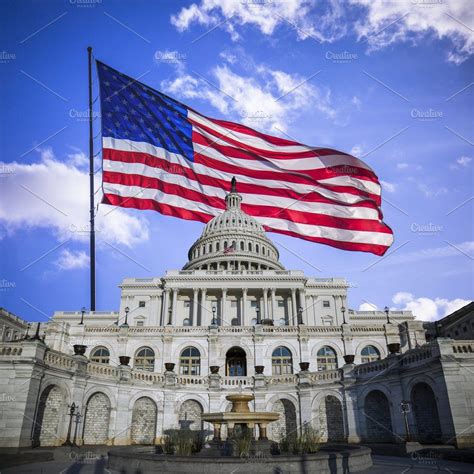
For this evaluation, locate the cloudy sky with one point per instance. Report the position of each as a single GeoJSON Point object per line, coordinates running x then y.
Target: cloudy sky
{"type": "Point", "coordinates": [389, 81]}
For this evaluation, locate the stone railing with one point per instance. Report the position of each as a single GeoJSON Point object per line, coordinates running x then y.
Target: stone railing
{"type": "Point", "coordinates": [325, 376]}
{"type": "Point", "coordinates": [58, 359]}
{"type": "Point", "coordinates": [288, 379]}
{"type": "Point", "coordinates": [10, 350]}
{"type": "Point", "coordinates": [101, 330]}
{"type": "Point", "coordinates": [322, 330]}
{"type": "Point", "coordinates": [191, 380]}
{"type": "Point", "coordinates": [147, 376]}
{"type": "Point", "coordinates": [463, 348]}
{"type": "Point", "coordinates": [236, 381]}
{"type": "Point", "coordinates": [370, 368]}
{"type": "Point", "coordinates": [357, 328]}
{"type": "Point", "coordinates": [103, 370]}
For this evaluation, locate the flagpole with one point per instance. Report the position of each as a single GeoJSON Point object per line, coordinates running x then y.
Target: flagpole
{"type": "Point", "coordinates": [91, 190]}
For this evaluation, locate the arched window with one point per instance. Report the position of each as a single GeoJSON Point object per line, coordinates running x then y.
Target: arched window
{"type": "Point", "coordinates": [218, 246]}
{"type": "Point", "coordinates": [250, 246]}
{"type": "Point", "coordinates": [369, 354]}
{"type": "Point", "coordinates": [256, 248]}
{"type": "Point", "coordinates": [101, 355]}
{"type": "Point", "coordinates": [190, 362]}
{"type": "Point", "coordinates": [326, 358]}
{"type": "Point", "coordinates": [241, 245]}
{"type": "Point", "coordinates": [145, 359]}
{"type": "Point", "coordinates": [282, 362]}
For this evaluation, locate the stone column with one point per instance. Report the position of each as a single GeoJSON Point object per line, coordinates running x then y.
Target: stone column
{"type": "Point", "coordinates": [205, 321]}
{"type": "Point", "coordinates": [194, 320]}
{"type": "Point", "coordinates": [173, 307]}
{"type": "Point", "coordinates": [294, 309]}
{"type": "Point", "coordinates": [244, 321]}
{"type": "Point", "coordinates": [164, 307]}
{"type": "Point", "coordinates": [265, 304]}
{"type": "Point", "coordinates": [224, 313]}
{"type": "Point", "coordinates": [273, 305]}
{"type": "Point", "coordinates": [304, 313]}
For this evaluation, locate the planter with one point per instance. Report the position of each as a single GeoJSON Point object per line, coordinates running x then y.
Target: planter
{"type": "Point", "coordinates": [267, 322]}
{"type": "Point", "coordinates": [79, 349]}
{"type": "Point", "coordinates": [349, 358]}
{"type": "Point", "coordinates": [394, 347]}
{"type": "Point", "coordinates": [259, 369]}
{"type": "Point", "coordinates": [169, 366]}
{"type": "Point", "coordinates": [124, 360]}
{"type": "Point", "coordinates": [304, 366]}
{"type": "Point", "coordinates": [214, 369]}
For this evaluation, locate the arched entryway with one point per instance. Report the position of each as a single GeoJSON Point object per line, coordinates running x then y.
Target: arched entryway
{"type": "Point", "coordinates": [331, 421]}
{"type": "Point", "coordinates": [377, 418]}
{"type": "Point", "coordinates": [51, 409]}
{"type": "Point", "coordinates": [96, 419]}
{"type": "Point", "coordinates": [286, 425]}
{"type": "Point", "coordinates": [143, 429]}
{"type": "Point", "coordinates": [190, 415]}
{"type": "Point", "coordinates": [425, 413]}
{"type": "Point", "coordinates": [236, 362]}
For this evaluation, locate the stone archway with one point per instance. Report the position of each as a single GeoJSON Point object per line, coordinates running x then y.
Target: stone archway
{"type": "Point", "coordinates": [425, 412]}
{"type": "Point", "coordinates": [286, 425]}
{"type": "Point", "coordinates": [96, 420]}
{"type": "Point", "coordinates": [377, 418]}
{"type": "Point", "coordinates": [190, 415]}
{"type": "Point", "coordinates": [143, 429]}
{"type": "Point", "coordinates": [331, 419]}
{"type": "Point", "coordinates": [51, 409]}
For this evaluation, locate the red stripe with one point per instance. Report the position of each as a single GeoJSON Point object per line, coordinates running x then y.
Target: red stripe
{"type": "Point", "coordinates": [316, 173]}
{"type": "Point", "coordinates": [255, 210]}
{"type": "Point", "coordinates": [150, 204]}
{"type": "Point", "coordinates": [161, 163]}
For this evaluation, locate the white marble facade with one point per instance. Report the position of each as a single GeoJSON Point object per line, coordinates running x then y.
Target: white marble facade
{"type": "Point", "coordinates": [233, 307]}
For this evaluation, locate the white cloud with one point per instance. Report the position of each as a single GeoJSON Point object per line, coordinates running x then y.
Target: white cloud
{"type": "Point", "coordinates": [268, 100]}
{"type": "Point", "coordinates": [402, 166]}
{"type": "Point", "coordinates": [357, 150]}
{"type": "Point", "coordinates": [462, 162]}
{"type": "Point", "coordinates": [389, 187]}
{"type": "Point", "coordinates": [428, 309]}
{"type": "Point", "coordinates": [54, 194]}
{"type": "Point", "coordinates": [384, 23]}
{"type": "Point", "coordinates": [320, 21]}
{"type": "Point", "coordinates": [70, 260]}
{"type": "Point", "coordinates": [367, 307]}
{"type": "Point", "coordinates": [356, 102]}
{"type": "Point", "coordinates": [431, 192]}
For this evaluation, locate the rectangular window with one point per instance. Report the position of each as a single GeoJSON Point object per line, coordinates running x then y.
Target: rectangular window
{"type": "Point", "coordinates": [139, 323]}
{"type": "Point", "coordinates": [326, 304]}
{"type": "Point", "coordinates": [141, 304]}
{"type": "Point", "coordinates": [281, 303]}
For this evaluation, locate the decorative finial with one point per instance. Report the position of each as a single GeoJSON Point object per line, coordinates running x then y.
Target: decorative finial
{"type": "Point", "coordinates": [233, 185]}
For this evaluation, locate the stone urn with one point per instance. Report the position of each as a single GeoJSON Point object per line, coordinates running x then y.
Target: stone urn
{"type": "Point", "coordinates": [394, 347]}
{"type": "Point", "coordinates": [349, 358]}
{"type": "Point", "coordinates": [124, 360]}
{"type": "Point", "coordinates": [267, 322]}
{"type": "Point", "coordinates": [214, 369]}
{"type": "Point", "coordinates": [304, 366]}
{"type": "Point", "coordinates": [169, 366]}
{"type": "Point", "coordinates": [79, 349]}
{"type": "Point", "coordinates": [259, 369]}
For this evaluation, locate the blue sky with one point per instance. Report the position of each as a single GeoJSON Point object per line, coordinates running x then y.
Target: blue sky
{"type": "Point", "coordinates": [390, 82]}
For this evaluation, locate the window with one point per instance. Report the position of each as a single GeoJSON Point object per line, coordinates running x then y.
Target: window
{"type": "Point", "coordinates": [101, 355]}
{"type": "Point", "coordinates": [145, 359]}
{"type": "Point", "coordinates": [282, 362]}
{"type": "Point", "coordinates": [281, 303]}
{"type": "Point", "coordinates": [327, 320]}
{"type": "Point", "coordinates": [218, 246]}
{"type": "Point", "coordinates": [241, 246]}
{"type": "Point", "coordinates": [190, 362]}
{"type": "Point", "coordinates": [326, 358]}
{"type": "Point", "coordinates": [139, 323]}
{"type": "Point", "coordinates": [369, 354]}
{"type": "Point", "coordinates": [141, 304]}
{"type": "Point", "coordinates": [326, 304]}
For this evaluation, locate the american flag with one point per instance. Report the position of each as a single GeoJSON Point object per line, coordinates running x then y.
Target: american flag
{"type": "Point", "coordinates": [160, 154]}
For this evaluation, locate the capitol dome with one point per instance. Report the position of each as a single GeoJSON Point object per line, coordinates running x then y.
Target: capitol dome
{"type": "Point", "coordinates": [233, 240]}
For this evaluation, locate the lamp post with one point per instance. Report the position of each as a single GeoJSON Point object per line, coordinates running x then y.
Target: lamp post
{"type": "Point", "coordinates": [125, 324]}
{"type": "Point", "coordinates": [83, 310]}
{"type": "Point", "coordinates": [36, 337]}
{"type": "Point", "coordinates": [72, 410]}
{"type": "Point", "coordinates": [170, 313]}
{"type": "Point", "coordinates": [27, 330]}
{"type": "Point", "coordinates": [257, 310]}
{"type": "Point", "coordinates": [387, 313]}
{"type": "Point", "coordinates": [214, 322]}
{"type": "Point", "coordinates": [405, 409]}
{"type": "Point", "coordinates": [77, 419]}
{"type": "Point", "coordinates": [343, 311]}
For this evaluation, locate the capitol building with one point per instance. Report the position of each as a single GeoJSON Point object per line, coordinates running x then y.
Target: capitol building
{"type": "Point", "coordinates": [234, 319]}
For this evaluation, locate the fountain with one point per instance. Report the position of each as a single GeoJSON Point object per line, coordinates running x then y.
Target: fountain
{"type": "Point", "coordinates": [220, 456]}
